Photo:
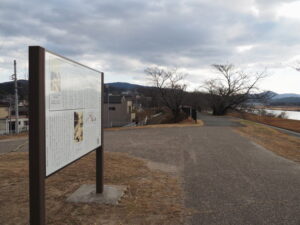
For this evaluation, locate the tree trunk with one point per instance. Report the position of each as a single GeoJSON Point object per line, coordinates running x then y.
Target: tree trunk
{"type": "Point", "coordinates": [219, 111]}
{"type": "Point", "coordinates": [176, 115]}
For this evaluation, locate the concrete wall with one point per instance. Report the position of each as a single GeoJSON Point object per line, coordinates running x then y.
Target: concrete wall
{"type": "Point", "coordinates": [116, 115]}
{"type": "Point", "coordinates": [4, 112]}
{"type": "Point", "coordinates": [23, 124]}
{"type": "Point", "coordinates": [4, 125]}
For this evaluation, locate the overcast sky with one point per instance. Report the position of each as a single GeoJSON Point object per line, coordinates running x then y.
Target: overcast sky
{"type": "Point", "coordinates": [122, 38]}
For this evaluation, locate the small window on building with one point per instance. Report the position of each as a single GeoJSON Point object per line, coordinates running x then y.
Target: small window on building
{"type": "Point", "coordinates": [26, 123]}
{"type": "Point", "coordinates": [19, 122]}
{"type": "Point", "coordinates": [129, 109]}
{"type": "Point", "coordinates": [112, 108]}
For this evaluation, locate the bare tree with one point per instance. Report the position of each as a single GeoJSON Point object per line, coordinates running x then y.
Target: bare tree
{"type": "Point", "coordinates": [197, 100]}
{"type": "Point", "coordinates": [232, 89]}
{"type": "Point", "coordinates": [170, 86]}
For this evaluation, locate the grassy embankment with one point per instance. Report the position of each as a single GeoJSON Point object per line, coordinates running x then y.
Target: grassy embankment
{"type": "Point", "coordinates": [280, 143]}
{"type": "Point", "coordinates": [293, 125]}
{"type": "Point", "coordinates": [152, 197]}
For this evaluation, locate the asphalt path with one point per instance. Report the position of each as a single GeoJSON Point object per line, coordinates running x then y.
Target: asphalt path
{"type": "Point", "coordinates": [14, 145]}
{"type": "Point", "coordinates": [226, 178]}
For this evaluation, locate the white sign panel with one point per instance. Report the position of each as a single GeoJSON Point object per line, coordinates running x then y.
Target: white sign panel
{"type": "Point", "coordinates": [73, 111]}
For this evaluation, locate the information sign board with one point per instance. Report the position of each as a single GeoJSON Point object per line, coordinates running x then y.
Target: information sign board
{"type": "Point", "coordinates": [73, 111]}
{"type": "Point", "coordinates": [65, 121]}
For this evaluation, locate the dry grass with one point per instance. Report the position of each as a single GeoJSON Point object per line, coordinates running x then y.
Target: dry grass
{"type": "Point", "coordinates": [153, 197]}
{"type": "Point", "coordinates": [293, 125]}
{"type": "Point", "coordinates": [185, 123]}
{"type": "Point", "coordinates": [277, 142]}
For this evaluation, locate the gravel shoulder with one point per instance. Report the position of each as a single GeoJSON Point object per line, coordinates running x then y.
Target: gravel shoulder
{"type": "Point", "coordinates": [227, 178]}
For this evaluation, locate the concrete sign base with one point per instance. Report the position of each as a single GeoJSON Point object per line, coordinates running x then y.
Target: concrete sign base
{"type": "Point", "coordinates": [111, 195]}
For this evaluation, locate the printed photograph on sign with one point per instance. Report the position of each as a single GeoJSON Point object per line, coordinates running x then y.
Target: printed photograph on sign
{"type": "Point", "coordinates": [78, 126]}
{"type": "Point", "coordinates": [55, 85]}
{"type": "Point", "coordinates": [55, 82]}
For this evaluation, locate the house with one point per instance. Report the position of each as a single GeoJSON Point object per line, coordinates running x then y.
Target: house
{"type": "Point", "coordinates": [118, 111]}
{"type": "Point", "coordinates": [8, 119]}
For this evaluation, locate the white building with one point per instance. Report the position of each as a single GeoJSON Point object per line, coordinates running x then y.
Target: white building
{"type": "Point", "coordinates": [8, 120]}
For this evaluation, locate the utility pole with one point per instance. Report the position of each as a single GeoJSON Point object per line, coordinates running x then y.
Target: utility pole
{"type": "Point", "coordinates": [15, 79]}
{"type": "Point", "coordinates": [10, 109]}
{"type": "Point", "coordinates": [108, 123]}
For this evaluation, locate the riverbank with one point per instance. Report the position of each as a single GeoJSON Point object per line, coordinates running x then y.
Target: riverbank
{"type": "Point", "coordinates": [283, 108]}
{"type": "Point", "coordinates": [293, 125]}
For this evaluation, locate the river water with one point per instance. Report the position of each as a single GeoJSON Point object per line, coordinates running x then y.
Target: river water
{"type": "Point", "coordinates": [292, 115]}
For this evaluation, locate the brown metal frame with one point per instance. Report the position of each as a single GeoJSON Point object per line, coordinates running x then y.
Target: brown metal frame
{"type": "Point", "coordinates": [37, 140]}
{"type": "Point", "coordinates": [37, 136]}
{"type": "Point", "coordinates": [99, 150]}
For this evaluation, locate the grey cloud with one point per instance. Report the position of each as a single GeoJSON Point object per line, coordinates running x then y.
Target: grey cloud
{"type": "Point", "coordinates": [185, 33]}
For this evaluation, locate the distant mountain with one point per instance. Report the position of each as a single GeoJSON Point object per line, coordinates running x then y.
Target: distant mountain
{"type": "Point", "coordinates": [7, 88]}
{"type": "Point", "coordinates": [288, 95]}
{"type": "Point", "coordinates": [272, 98]}
{"type": "Point", "coordinates": [124, 85]}
{"type": "Point", "coordinates": [286, 101]}
{"type": "Point", "coordinates": [266, 95]}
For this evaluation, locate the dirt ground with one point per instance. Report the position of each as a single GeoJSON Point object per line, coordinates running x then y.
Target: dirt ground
{"type": "Point", "coordinates": [153, 197]}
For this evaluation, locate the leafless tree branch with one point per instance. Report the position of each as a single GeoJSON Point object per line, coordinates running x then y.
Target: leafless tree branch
{"type": "Point", "coordinates": [170, 85]}
{"type": "Point", "coordinates": [233, 88]}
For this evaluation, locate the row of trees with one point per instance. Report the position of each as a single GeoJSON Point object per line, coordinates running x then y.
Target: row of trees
{"type": "Point", "coordinates": [231, 90]}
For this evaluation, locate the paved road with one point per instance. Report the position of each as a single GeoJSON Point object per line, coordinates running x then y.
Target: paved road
{"type": "Point", "coordinates": [228, 179]}
{"type": "Point", "coordinates": [11, 145]}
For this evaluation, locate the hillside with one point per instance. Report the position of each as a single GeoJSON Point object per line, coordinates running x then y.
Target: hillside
{"type": "Point", "coordinates": [286, 96]}
{"type": "Point", "coordinates": [285, 101]}
{"type": "Point", "coordinates": [7, 88]}
{"type": "Point", "coordinates": [124, 85]}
